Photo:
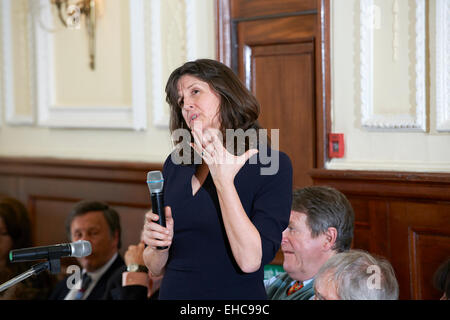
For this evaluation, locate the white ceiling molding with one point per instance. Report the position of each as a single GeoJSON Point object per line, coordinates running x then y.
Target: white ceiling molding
{"type": "Point", "coordinates": [402, 122]}
{"type": "Point", "coordinates": [132, 116]}
{"type": "Point", "coordinates": [11, 116]}
{"type": "Point", "coordinates": [443, 65]}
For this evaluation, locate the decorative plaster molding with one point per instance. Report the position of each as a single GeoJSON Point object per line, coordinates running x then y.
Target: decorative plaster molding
{"type": "Point", "coordinates": [443, 65]}
{"type": "Point", "coordinates": [123, 117]}
{"type": "Point", "coordinates": [138, 75]}
{"type": "Point", "coordinates": [185, 49]}
{"type": "Point", "coordinates": [175, 38]}
{"type": "Point", "coordinates": [11, 116]}
{"type": "Point", "coordinates": [404, 122]}
{"type": "Point", "coordinates": [160, 118]}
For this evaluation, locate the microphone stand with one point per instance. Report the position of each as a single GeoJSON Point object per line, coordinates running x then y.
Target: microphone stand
{"type": "Point", "coordinates": [54, 265]}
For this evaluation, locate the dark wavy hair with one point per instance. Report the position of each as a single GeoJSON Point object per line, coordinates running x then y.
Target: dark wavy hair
{"type": "Point", "coordinates": [17, 221]}
{"type": "Point", "coordinates": [238, 108]}
{"type": "Point", "coordinates": [326, 207]}
{"type": "Point", "coordinates": [441, 278]}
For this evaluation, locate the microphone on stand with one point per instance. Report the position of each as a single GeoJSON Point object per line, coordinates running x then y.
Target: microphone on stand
{"type": "Point", "coordinates": [81, 248]}
{"type": "Point", "coordinates": [155, 182]}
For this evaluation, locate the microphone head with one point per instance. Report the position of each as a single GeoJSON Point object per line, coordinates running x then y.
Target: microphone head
{"type": "Point", "coordinates": [155, 181]}
{"type": "Point", "coordinates": [81, 248]}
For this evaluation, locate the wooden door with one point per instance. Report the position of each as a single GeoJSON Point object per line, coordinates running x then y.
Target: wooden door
{"type": "Point", "coordinates": [275, 48]}
{"type": "Point", "coordinates": [287, 101]}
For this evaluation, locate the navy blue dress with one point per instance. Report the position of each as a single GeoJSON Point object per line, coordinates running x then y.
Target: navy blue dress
{"type": "Point", "coordinates": [201, 265]}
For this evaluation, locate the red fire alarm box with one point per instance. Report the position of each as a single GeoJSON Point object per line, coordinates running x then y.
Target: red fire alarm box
{"type": "Point", "coordinates": [336, 145]}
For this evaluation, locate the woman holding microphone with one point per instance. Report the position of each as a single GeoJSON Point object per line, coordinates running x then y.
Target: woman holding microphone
{"type": "Point", "coordinates": [224, 216]}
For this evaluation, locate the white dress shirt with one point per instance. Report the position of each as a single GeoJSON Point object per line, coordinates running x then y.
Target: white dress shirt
{"type": "Point", "coordinates": [95, 276]}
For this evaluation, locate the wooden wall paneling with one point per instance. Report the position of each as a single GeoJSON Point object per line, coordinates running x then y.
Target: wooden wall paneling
{"type": "Point", "coordinates": [420, 240]}
{"type": "Point", "coordinates": [428, 249]}
{"type": "Point", "coordinates": [76, 169]}
{"type": "Point", "coordinates": [361, 234]}
{"type": "Point", "coordinates": [50, 188]}
{"type": "Point", "coordinates": [9, 185]}
{"type": "Point", "coordinates": [409, 221]}
{"type": "Point", "coordinates": [379, 227]}
{"type": "Point", "coordinates": [48, 215]}
{"type": "Point", "coordinates": [54, 201]}
{"type": "Point", "coordinates": [386, 184]}
{"type": "Point", "coordinates": [132, 221]}
{"type": "Point", "coordinates": [370, 225]}
{"type": "Point", "coordinates": [256, 8]}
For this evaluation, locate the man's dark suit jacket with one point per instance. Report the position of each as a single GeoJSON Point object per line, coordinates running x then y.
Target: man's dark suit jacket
{"type": "Point", "coordinates": [115, 290]}
{"type": "Point", "coordinates": [98, 292]}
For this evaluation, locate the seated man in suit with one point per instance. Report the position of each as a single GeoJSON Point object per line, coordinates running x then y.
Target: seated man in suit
{"type": "Point", "coordinates": [356, 275]}
{"type": "Point", "coordinates": [99, 224]}
{"type": "Point", "coordinates": [320, 225]}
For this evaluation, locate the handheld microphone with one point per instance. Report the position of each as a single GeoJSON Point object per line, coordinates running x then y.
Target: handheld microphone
{"type": "Point", "coordinates": [155, 182]}
{"type": "Point", "coordinates": [81, 248]}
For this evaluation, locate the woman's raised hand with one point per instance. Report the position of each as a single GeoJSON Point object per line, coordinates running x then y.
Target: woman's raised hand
{"type": "Point", "coordinates": [223, 165]}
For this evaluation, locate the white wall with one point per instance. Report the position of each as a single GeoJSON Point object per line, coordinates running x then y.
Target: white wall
{"type": "Point", "coordinates": [394, 93]}
{"type": "Point", "coordinates": [108, 86]}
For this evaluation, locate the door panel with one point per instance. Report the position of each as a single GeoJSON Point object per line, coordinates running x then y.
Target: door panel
{"type": "Point", "coordinates": [277, 63]}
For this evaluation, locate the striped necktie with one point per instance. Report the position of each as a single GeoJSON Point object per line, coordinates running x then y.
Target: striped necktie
{"type": "Point", "coordinates": [85, 282]}
{"type": "Point", "coordinates": [295, 287]}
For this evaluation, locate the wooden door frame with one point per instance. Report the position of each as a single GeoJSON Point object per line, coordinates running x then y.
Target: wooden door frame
{"type": "Point", "coordinates": [227, 48]}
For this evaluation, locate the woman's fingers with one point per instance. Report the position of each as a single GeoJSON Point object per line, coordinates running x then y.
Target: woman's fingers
{"type": "Point", "coordinates": [197, 148]}
{"type": "Point", "coordinates": [198, 137]}
{"type": "Point", "coordinates": [210, 149]}
{"type": "Point", "coordinates": [150, 216]}
{"type": "Point", "coordinates": [153, 243]}
{"type": "Point", "coordinates": [154, 227]}
{"type": "Point", "coordinates": [248, 154]}
{"type": "Point", "coordinates": [155, 235]}
{"type": "Point", "coordinates": [155, 238]}
{"type": "Point", "coordinates": [212, 144]}
{"type": "Point", "coordinates": [169, 219]}
{"type": "Point", "coordinates": [150, 224]}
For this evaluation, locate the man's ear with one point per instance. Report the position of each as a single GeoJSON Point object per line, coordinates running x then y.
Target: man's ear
{"type": "Point", "coordinates": [330, 238]}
